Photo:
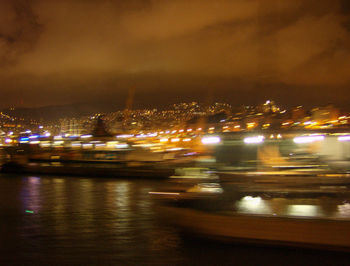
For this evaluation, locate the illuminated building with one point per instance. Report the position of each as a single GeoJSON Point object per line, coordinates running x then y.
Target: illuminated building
{"type": "Point", "coordinates": [325, 114]}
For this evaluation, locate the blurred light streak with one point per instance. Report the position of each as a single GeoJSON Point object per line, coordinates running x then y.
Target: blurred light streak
{"type": "Point", "coordinates": [344, 138]}
{"type": "Point", "coordinates": [307, 139]}
{"type": "Point", "coordinates": [254, 140]}
{"type": "Point", "coordinates": [211, 140]}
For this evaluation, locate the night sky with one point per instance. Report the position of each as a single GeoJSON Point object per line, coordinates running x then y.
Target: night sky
{"type": "Point", "coordinates": [237, 51]}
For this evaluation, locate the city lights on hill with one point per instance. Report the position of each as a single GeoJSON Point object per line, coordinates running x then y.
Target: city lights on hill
{"type": "Point", "coordinates": [182, 121]}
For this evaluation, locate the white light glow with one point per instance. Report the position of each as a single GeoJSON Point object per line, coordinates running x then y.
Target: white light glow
{"type": "Point", "coordinates": [254, 140]}
{"type": "Point", "coordinates": [249, 204]}
{"type": "Point", "coordinates": [100, 145]}
{"type": "Point", "coordinates": [122, 146]}
{"type": "Point", "coordinates": [174, 149]}
{"type": "Point", "coordinates": [211, 140]}
{"type": "Point", "coordinates": [87, 145]}
{"type": "Point", "coordinates": [175, 140]}
{"type": "Point", "coordinates": [344, 138]}
{"type": "Point", "coordinates": [308, 139]}
{"type": "Point", "coordinates": [303, 210]}
{"type": "Point", "coordinates": [76, 144]}
{"type": "Point", "coordinates": [125, 136]}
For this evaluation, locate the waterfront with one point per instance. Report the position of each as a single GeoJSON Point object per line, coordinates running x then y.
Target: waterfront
{"type": "Point", "coordinates": [76, 220]}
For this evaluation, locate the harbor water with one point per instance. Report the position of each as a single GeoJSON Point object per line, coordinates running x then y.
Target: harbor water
{"type": "Point", "coordinates": [56, 220]}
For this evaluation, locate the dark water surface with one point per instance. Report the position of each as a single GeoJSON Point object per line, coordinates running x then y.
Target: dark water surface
{"type": "Point", "coordinates": [84, 221]}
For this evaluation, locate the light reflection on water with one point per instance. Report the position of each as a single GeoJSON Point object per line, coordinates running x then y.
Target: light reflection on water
{"type": "Point", "coordinates": [110, 221]}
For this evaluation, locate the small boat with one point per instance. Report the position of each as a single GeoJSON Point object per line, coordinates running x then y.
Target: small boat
{"type": "Point", "coordinates": [217, 211]}
{"type": "Point", "coordinates": [324, 233]}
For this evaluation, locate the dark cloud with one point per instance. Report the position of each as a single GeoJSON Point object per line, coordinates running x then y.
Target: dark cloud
{"type": "Point", "coordinates": [179, 48]}
{"type": "Point", "coordinates": [19, 30]}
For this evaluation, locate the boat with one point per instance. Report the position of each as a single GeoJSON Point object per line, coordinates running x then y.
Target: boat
{"type": "Point", "coordinates": [324, 233]}
{"type": "Point", "coordinates": [92, 156]}
{"type": "Point", "coordinates": [221, 212]}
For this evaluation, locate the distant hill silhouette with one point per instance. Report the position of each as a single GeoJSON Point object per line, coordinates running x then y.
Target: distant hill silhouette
{"type": "Point", "coordinates": [49, 113]}
{"type": "Point", "coordinates": [210, 119]}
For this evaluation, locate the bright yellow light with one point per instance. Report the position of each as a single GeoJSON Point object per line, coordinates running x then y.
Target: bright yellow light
{"type": "Point", "coordinates": [154, 148]}
{"type": "Point", "coordinates": [175, 140]}
{"type": "Point", "coordinates": [189, 130]}
{"type": "Point", "coordinates": [163, 140]}
{"type": "Point", "coordinates": [251, 125]}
